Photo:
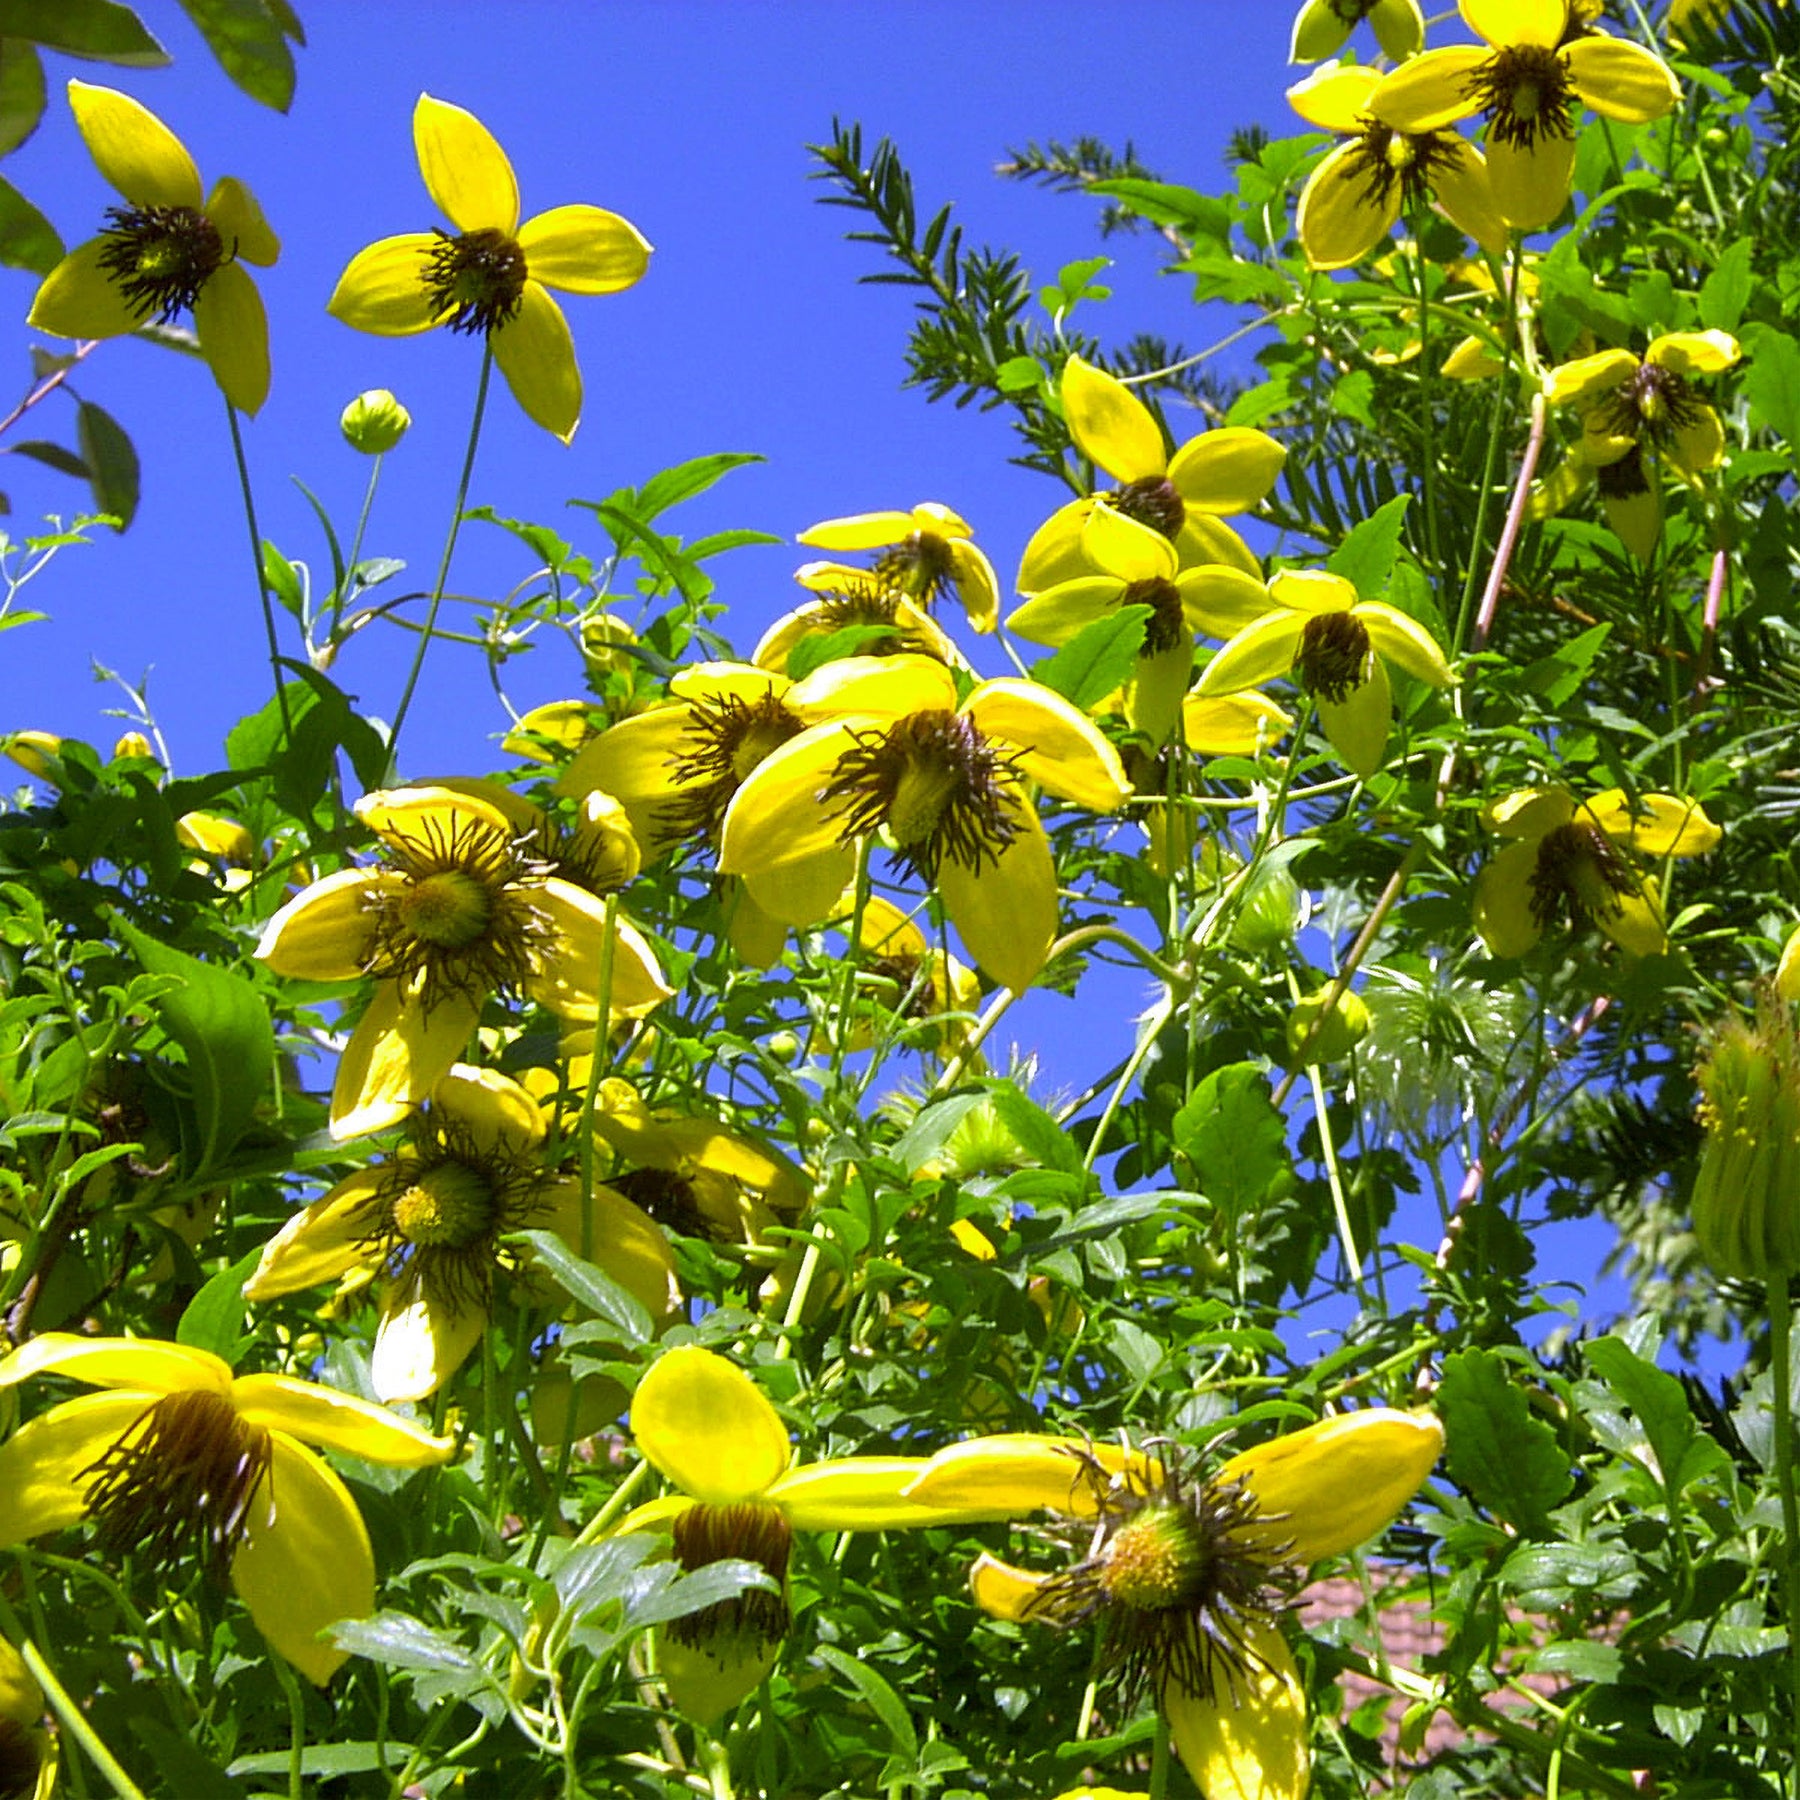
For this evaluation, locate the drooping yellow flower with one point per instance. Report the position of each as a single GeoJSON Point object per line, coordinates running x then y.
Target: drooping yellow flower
{"type": "Point", "coordinates": [493, 274]}
{"type": "Point", "coordinates": [1323, 27]}
{"type": "Point", "coordinates": [1565, 859]}
{"type": "Point", "coordinates": [182, 1460]}
{"type": "Point", "coordinates": [931, 993]}
{"type": "Point", "coordinates": [1353, 198]}
{"type": "Point", "coordinates": [926, 555]}
{"type": "Point", "coordinates": [1131, 564]}
{"type": "Point", "coordinates": [1539, 60]}
{"type": "Point", "coordinates": [1187, 1576]}
{"type": "Point", "coordinates": [896, 753]}
{"type": "Point", "coordinates": [1337, 647]}
{"type": "Point", "coordinates": [708, 1429]}
{"type": "Point", "coordinates": [171, 248]}
{"type": "Point", "coordinates": [431, 1218]}
{"type": "Point", "coordinates": [1185, 496]}
{"type": "Point", "coordinates": [463, 912]}
{"type": "Point", "coordinates": [1649, 404]}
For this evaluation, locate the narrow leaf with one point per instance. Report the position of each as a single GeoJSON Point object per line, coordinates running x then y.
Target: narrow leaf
{"type": "Point", "coordinates": [21, 92]}
{"type": "Point", "coordinates": [53, 456]}
{"type": "Point", "coordinates": [112, 462]}
{"type": "Point", "coordinates": [588, 1286]}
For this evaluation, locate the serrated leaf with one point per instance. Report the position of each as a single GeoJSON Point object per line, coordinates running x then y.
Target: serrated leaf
{"type": "Point", "coordinates": [222, 1025]}
{"type": "Point", "coordinates": [27, 239]}
{"type": "Point", "coordinates": [402, 1642]}
{"type": "Point", "coordinates": [588, 1286]}
{"type": "Point", "coordinates": [21, 92]}
{"type": "Point", "coordinates": [1098, 659]}
{"type": "Point", "coordinates": [98, 29]}
{"type": "Point", "coordinates": [1505, 1455]}
{"type": "Point", "coordinates": [1365, 558]}
{"type": "Point", "coordinates": [1660, 1405]}
{"type": "Point", "coordinates": [52, 456]}
{"type": "Point", "coordinates": [251, 47]}
{"type": "Point", "coordinates": [112, 462]}
{"type": "Point", "coordinates": [1231, 1134]}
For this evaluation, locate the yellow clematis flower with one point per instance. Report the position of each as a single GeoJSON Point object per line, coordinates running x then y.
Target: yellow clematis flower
{"type": "Point", "coordinates": [926, 555]}
{"type": "Point", "coordinates": [432, 1218]}
{"type": "Point", "coordinates": [182, 1459]}
{"type": "Point", "coordinates": [556, 725]}
{"type": "Point", "coordinates": [931, 992]}
{"type": "Point", "coordinates": [1184, 496]}
{"type": "Point", "coordinates": [1188, 1576]}
{"type": "Point", "coordinates": [886, 621]}
{"type": "Point", "coordinates": [1627, 403]}
{"type": "Point", "coordinates": [463, 912]}
{"type": "Point", "coordinates": [1323, 27]}
{"type": "Point", "coordinates": [493, 275]}
{"type": "Point", "coordinates": [171, 248]}
{"type": "Point", "coordinates": [896, 753]}
{"type": "Point", "coordinates": [1337, 648]}
{"type": "Point", "coordinates": [709, 1430]}
{"type": "Point", "coordinates": [1353, 198]}
{"type": "Point", "coordinates": [1538, 60]}
{"type": "Point", "coordinates": [1131, 564]}
{"type": "Point", "coordinates": [1566, 858]}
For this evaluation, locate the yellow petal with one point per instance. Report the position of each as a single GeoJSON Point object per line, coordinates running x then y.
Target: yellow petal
{"type": "Point", "coordinates": [1530, 184]}
{"type": "Point", "coordinates": [804, 891]}
{"type": "Point", "coordinates": [1006, 912]}
{"type": "Point", "coordinates": [1228, 470]}
{"type": "Point", "coordinates": [1505, 23]}
{"type": "Point", "coordinates": [1635, 923]}
{"type": "Point", "coordinates": [1620, 79]}
{"type": "Point", "coordinates": [1249, 1744]}
{"type": "Point", "coordinates": [1204, 540]}
{"type": "Point", "coordinates": [567, 978]}
{"type": "Point", "coordinates": [1060, 612]}
{"type": "Point", "coordinates": [775, 817]}
{"type": "Point", "coordinates": [397, 1054]}
{"type": "Point", "coordinates": [423, 1338]}
{"type": "Point", "coordinates": [634, 759]}
{"type": "Point", "coordinates": [536, 354]}
{"type": "Point", "coordinates": [1058, 745]}
{"type": "Point", "coordinates": [1399, 27]}
{"type": "Point", "coordinates": [976, 584]}
{"type": "Point", "coordinates": [1003, 1591]}
{"type": "Point", "coordinates": [1699, 443]}
{"type": "Point", "coordinates": [322, 1241]}
{"type": "Point", "coordinates": [1636, 520]}
{"type": "Point", "coordinates": [147, 1364]}
{"type": "Point", "coordinates": [1403, 641]}
{"type": "Point", "coordinates": [1159, 681]}
{"type": "Point", "coordinates": [1503, 900]}
{"type": "Point", "coordinates": [1356, 727]}
{"type": "Point", "coordinates": [881, 686]}
{"type": "Point", "coordinates": [1258, 653]}
{"type": "Point", "coordinates": [1014, 1473]}
{"type": "Point", "coordinates": [584, 250]}
{"type": "Point", "coordinates": [492, 1110]}
{"type": "Point", "coordinates": [860, 1493]}
{"type": "Point", "coordinates": [233, 210]}
{"type": "Point", "coordinates": [1343, 215]}
{"type": "Point", "coordinates": [619, 1239]}
{"type": "Point", "coordinates": [1590, 375]}
{"type": "Point", "coordinates": [708, 1428]}
{"type": "Point", "coordinates": [706, 1680]}
{"type": "Point", "coordinates": [859, 531]}
{"type": "Point", "coordinates": [327, 931]}
{"type": "Point", "coordinates": [464, 168]}
{"type": "Point", "coordinates": [1336, 96]}
{"type": "Point", "coordinates": [78, 298]}
{"type": "Point", "coordinates": [1110, 424]}
{"type": "Point", "coordinates": [383, 290]}
{"type": "Point", "coordinates": [43, 1463]}
{"type": "Point", "coordinates": [322, 1415]}
{"type": "Point", "coordinates": [1326, 1489]}
{"type": "Point", "coordinates": [1243, 724]}
{"type": "Point", "coordinates": [234, 337]}
{"type": "Point", "coordinates": [1656, 824]}
{"type": "Point", "coordinates": [1220, 601]}
{"type": "Point", "coordinates": [1429, 91]}
{"type": "Point", "coordinates": [133, 148]}
{"type": "Point", "coordinates": [306, 1562]}
{"type": "Point", "coordinates": [1529, 812]}
{"type": "Point", "coordinates": [1319, 31]}
{"type": "Point", "coordinates": [1312, 591]}
{"type": "Point", "coordinates": [1053, 551]}
{"type": "Point", "coordinates": [1126, 549]}
{"type": "Point", "coordinates": [1694, 352]}
{"type": "Point", "coordinates": [1466, 195]}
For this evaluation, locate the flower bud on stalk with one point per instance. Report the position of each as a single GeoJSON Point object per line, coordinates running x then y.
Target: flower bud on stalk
{"type": "Point", "coordinates": [1747, 1193]}
{"type": "Point", "coordinates": [374, 422]}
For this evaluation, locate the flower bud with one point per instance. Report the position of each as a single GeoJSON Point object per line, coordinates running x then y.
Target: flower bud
{"type": "Point", "coordinates": [1333, 1036]}
{"type": "Point", "coordinates": [134, 743]}
{"type": "Point", "coordinates": [1746, 1201]}
{"type": "Point", "coordinates": [374, 421]}
{"type": "Point", "coordinates": [1270, 913]}
{"type": "Point", "coordinates": [31, 750]}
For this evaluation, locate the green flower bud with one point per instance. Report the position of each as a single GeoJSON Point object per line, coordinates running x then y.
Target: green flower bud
{"type": "Point", "coordinates": [1270, 913]}
{"type": "Point", "coordinates": [1746, 1203]}
{"type": "Point", "coordinates": [1340, 1032]}
{"type": "Point", "coordinates": [374, 421]}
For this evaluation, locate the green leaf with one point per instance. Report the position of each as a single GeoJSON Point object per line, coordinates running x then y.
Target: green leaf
{"type": "Point", "coordinates": [214, 1319]}
{"type": "Point", "coordinates": [27, 239]}
{"type": "Point", "coordinates": [221, 1023]}
{"type": "Point", "coordinates": [112, 461]}
{"type": "Point", "coordinates": [1365, 558]}
{"type": "Point", "coordinates": [1725, 291]}
{"type": "Point", "coordinates": [181, 1765]}
{"type": "Point", "coordinates": [1166, 203]}
{"type": "Point", "coordinates": [588, 1286]}
{"type": "Point", "coordinates": [1500, 1450]}
{"type": "Point", "coordinates": [1232, 1135]}
{"type": "Point", "coordinates": [671, 486]}
{"type": "Point", "coordinates": [97, 29]}
{"type": "Point", "coordinates": [403, 1642]}
{"type": "Point", "coordinates": [1558, 676]}
{"type": "Point", "coordinates": [1099, 658]}
{"type": "Point", "coordinates": [1660, 1405]}
{"type": "Point", "coordinates": [1036, 1133]}
{"type": "Point", "coordinates": [882, 1701]}
{"type": "Point", "coordinates": [53, 456]}
{"type": "Point", "coordinates": [1772, 382]}
{"type": "Point", "coordinates": [21, 92]}
{"type": "Point", "coordinates": [251, 46]}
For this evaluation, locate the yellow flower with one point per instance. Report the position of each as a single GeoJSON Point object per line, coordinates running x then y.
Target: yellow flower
{"type": "Point", "coordinates": [926, 555]}
{"type": "Point", "coordinates": [432, 1217]}
{"type": "Point", "coordinates": [1352, 199]}
{"type": "Point", "coordinates": [1650, 404]}
{"type": "Point", "coordinates": [1130, 564]}
{"type": "Point", "coordinates": [874, 617]}
{"type": "Point", "coordinates": [1566, 858]}
{"type": "Point", "coordinates": [1183, 496]}
{"type": "Point", "coordinates": [1538, 60]}
{"type": "Point", "coordinates": [180, 1459]}
{"type": "Point", "coordinates": [558, 724]}
{"type": "Point", "coordinates": [1337, 647]}
{"type": "Point", "coordinates": [464, 912]}
{"type": "Point", "coordinates": [1323, 27]}
{"type": "Point", "coordinates": [171, 247]}
{"type": "Point", "coordinates": [896, 753]}
{"type": "Point", "coordinates": [1188, 1576]}
{"type": "Point", "coordinates": [493, 274]}
{"type": "Point", "coordinates": [708, 1429]}
{"type": "Point", "coordinates": [929, 991]}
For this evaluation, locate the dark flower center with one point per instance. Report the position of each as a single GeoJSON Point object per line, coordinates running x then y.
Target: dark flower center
{"type": "Point", "coordinates": [669, 1198]}
{"type": "Point", "coordinates": [750, 1530]}
{"type": "Point", "coordinates": [1579, 873]}
{"type": "Point", "coordinates": [1384, 157]}
{"type": "Point", "coordinates": [21, 1757]}
{"type": "Point", "coordinates": [1527, 94]}
{"type": "Point", "coordinates": [1167, 624]}
{"type": "Point", "coordinates": [179, 1483]}
{"type": "Point", "coordinates": [475, 281]}
{"type": "Point", "coordinates": [1333, 655]}
{"type": "Point", "coordinates": [160, 257]}
{"type": "Point", "coordinates": [1624, 479]}
{"type": "Point", "coordinates": [1153, 500]}
{"type": "Point", "coordinates": [922, 567]}
{"type": "Point", "coordinates": [727, 737]}
{"type": "Point", "coordinates": [1653, 403]}
{"type": "Point", "coordinates": [937, 782]}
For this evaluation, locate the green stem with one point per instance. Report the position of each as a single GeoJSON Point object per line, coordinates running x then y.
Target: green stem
{"type": "Point", "coordinates": [296, 1728]}
{"type": "Point", "coordinates": [74, 1722]}
{"type": "Point", "coordinates": [1159, 1760]}
{"type": "Point", "coordinates": [443, 574]}
{"type": "Point", "coordinates": [1781, 1321]}
{"type": "Point", "coordinates": [262, 580]}
{"type": "Point", "coordinates": [342, 599]}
